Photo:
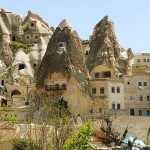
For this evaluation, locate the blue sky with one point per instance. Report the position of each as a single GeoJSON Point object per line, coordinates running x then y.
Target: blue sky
{"type": "Point", "coordinates": [131, 17]}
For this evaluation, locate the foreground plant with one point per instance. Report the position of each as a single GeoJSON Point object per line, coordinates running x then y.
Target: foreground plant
{"type": "Point", "coordinates": [80, 140]}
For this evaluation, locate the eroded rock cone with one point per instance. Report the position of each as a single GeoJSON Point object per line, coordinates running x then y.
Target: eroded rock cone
{"type": "Point", "coordinates": [105, 49]}
{"type": "Point", "coordinates": [63, 55]}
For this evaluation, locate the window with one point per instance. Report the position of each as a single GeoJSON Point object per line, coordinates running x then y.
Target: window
{"type": "Point", "coordinates": [87, 52]}
{"type": "Point", "coordinates": [147, 112]}
{"type": "Point", "coordinates": [141, 97]}
{"type": "Point", "coordinates": [93, 90]}
{"type": "Point", "coordinates": [2, 82]}
{"type": "Point", "coordinates": [140, 112]}
{"type": "Point", "coordinates": [139, 83]}
{"type": "Point", "coordinates": [102, 90]}
{"type": "Point", "coordinates": [32, 24]}
{"type": "Point", "coordinates": [128, 83]}
{"type": "Point", "coordinates": [118, 106]}
{"type": "Point", "coordinates": [148, 60]}
{"type": "Point", "coordinates": [148, 99]}
{"type": "Point", "coordinates": [100, 110]}
{"type": "Point", "coordinates": [36, 37]}
{"type": "Point", "coordinates": [21, 66]}
{"type": "Point", "coordinates": [13, 38]}
{"type": "Point", "coordinates": [34, 65]}
{"type": "Point", "coordinates": [131, 98]}
{"type": "Point", "coordinates": [144, 83]}
{"type": "Point", "coordinates": [144, 60]}
{"type": "Point", "coordinates": [27, 37]}
{"type": "Point", "coordinates": [96, 75]}
{"type": "Point", "coordinates": [113, 106]}
{"type": "Point", "coordinates": [91, 110]}
{"type": "Point", "coordinates": [138, 60]}
{"type": "Point", "coordinates": [60, 45]}
{"type": "Point", "coordinates": [118, 89]}
{"type": "Point", "coordinates": [112, 90]}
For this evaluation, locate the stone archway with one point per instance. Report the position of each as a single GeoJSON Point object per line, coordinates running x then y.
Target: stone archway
{"type": "Point", "coordinates": [15, 92]}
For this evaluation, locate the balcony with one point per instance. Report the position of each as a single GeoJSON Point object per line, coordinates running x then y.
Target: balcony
{"type": "Point", "coordinates": [56, 87]}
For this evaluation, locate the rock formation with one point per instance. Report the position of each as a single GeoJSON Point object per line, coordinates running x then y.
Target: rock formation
{"type": "Point", "coordinates": [105, 49]}
{"type": "Point", "coordinates": [15, 34]}
{"type": "Point", "coordinates": [62, 72]}
{"type": "Point", "coordinates": [10, 23]}
{"type": "Point", "coordinates": [64, 55]}
{"type": "Point", "coordinates": [5, 52]}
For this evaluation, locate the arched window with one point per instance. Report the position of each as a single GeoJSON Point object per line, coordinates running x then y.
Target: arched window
{"type": "Point", "coordinates": [15, 92]}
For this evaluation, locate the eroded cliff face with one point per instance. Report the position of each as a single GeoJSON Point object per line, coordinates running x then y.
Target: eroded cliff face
{"type": "Point", "coordinates": [26, 35]}
{"type": "Point", "coordinates": [105, 49]}
{"type": "Point", "coordinates": [63, 55]}
{"type": "Point", "coordinates": [10, 23]}
{"type": "Point", "coordinates": [5, 52]}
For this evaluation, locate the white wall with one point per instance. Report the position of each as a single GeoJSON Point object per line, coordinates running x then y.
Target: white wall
{"type": "Point", "coordinates": [116, 98]}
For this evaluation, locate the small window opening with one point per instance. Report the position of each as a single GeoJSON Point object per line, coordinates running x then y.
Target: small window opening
{"type": "Point", "coordinates": [113, 106]}
{"type": "Point", "coordinates": [32, 24]}
{"type": "Point", "coordinates": [118, 106]}
{"type": "Point", "coordinates": [97, 75]}
{"type": "Point", "coordinates": [21, 66]}
{"type": "Point", "coordinates": [27, 37]}
{"type": "Point", "coordinates": [102, 90]}
{"type": "Point", "coordinates": [118, 89]}
{"type": "Point", "coordinates": [13, 38]}
{"type": "Point", "coordinates": [2, 82]}
{"type": "Point", "coordinates": [93, 90]}
{"type": "Point", "coordinates": [36, 37]}
{"type": "Point", "coordinates": [87, 52]}
{"type": "Point", "coordinates": [113, 90]}
{"type": "Point", "coordinates": [34, 65]}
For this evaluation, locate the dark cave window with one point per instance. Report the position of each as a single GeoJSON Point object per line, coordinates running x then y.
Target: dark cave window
{"type": "Point", "coordinates": [13, 38]}
{"type": "Point", "coordinates": [21, 66]}
{"type": "Point", "coordinates": [34, 65]}
{"type": "Point", "coordinates": [87, 52]}
{"type": "Point", "coordinates": [32, 24]}
{"type": "Point", "coordinates": [2, 82]}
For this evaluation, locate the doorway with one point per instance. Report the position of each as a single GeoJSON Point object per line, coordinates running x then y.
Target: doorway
{"type": "Point", "coordinates": [132, 112]}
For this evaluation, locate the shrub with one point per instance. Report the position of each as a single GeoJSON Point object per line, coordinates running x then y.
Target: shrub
{"type": "Point", "coordinates": [24, 144]}
{"type": "Point", "coordinates": [80, 141]}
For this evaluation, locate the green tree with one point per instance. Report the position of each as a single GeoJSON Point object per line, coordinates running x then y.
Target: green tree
{"type": "Point", "coordinates": [80, 140]}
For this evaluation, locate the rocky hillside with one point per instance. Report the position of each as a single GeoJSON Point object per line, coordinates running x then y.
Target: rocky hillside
{"type": "Point", "coordinates": [105, 49]}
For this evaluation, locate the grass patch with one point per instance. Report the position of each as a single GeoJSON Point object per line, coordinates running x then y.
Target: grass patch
{"type": "Point", "coordinates": [16, 45]}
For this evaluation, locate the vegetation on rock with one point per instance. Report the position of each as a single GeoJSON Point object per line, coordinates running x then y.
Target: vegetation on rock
{"type": "Point", "coordinates": [16, 45]}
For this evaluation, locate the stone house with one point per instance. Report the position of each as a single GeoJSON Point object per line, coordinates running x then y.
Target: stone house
{"type": "Point", "coordinates": [34, 28]}
{"type": "Point", "coordinates": [137, 100]}
{"type": "Point", "coordinates": [142, 59]}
